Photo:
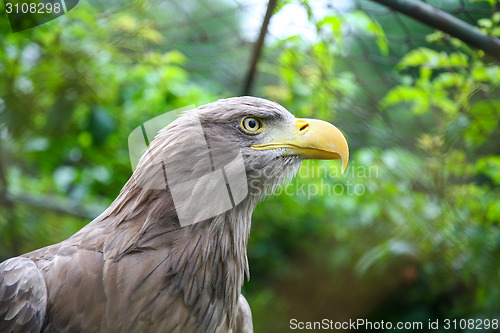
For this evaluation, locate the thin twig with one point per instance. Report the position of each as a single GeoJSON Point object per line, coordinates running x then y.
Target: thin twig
{"type": "Point", "coordinates": [441, 20]}
{"type": "Point", "coordinates": [258, 48]}
{"type": "Point", "coordinates": [53, 204]}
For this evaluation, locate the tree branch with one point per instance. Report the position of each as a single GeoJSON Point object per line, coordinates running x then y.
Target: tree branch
{"type": "Point", "coordinates": [258, 48]}
{"type": "Point", "coordinates": [53, 204]}
{"type": "Point", "coordinates": [441, 20]}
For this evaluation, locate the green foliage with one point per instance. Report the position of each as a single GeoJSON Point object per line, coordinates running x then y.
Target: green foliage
{"type": "Point", "coordinates": [408, 232]}
{"type": "Point", "coordinates": [422, 239]}
{"type": "Point", "coordinates": [455, 235]}
{"type": "Point", "coordinates": [70, 97]}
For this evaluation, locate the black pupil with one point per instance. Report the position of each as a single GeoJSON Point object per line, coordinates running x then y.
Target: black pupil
{"type": "Point", "coordinates": [252, 123]}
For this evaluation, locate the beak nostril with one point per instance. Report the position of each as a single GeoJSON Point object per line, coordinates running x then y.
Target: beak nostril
{"type": "Point", "coordinates": [303, 127]}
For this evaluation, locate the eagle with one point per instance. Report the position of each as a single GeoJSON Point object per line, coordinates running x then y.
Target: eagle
{"type": "Point", "coordinates": [170, 252]}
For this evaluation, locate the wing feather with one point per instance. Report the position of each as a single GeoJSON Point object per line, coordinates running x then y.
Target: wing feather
{"type": "Point", "coordinates": [243, 322]}
{"type": "Point", "coordinates": [23, 296]}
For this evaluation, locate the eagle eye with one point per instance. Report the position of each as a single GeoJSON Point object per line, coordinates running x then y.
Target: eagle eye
{"type": "Point", "coordinates": [251, 124]}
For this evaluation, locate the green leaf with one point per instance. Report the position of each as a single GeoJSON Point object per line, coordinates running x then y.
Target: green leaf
{"type": "Point", "coordinates": [405, 94]}
{"type": "Point", "coordinates": [433, 59]}
{"type": "Point", "coordinates": [335, 23]}
{"type": "Point", "coordinates": [367, 24]}
{"type": "Point", "coordinates": [484, 120]}
{"type": "Point", "coordinates": [490, 166]}
{"type": "Point", "coordinates": [420, 57]}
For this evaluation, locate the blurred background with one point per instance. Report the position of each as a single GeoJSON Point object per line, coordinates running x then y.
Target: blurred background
{"type": "Point", "coordinates": [409, 233]}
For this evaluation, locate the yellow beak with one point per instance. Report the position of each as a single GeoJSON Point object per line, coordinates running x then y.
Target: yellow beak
{"type": "Point", "coordinates": [312, 139]}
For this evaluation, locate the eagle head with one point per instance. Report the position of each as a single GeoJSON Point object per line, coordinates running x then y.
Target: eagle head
{"type": "Point", "coordinates": [231, 151]}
